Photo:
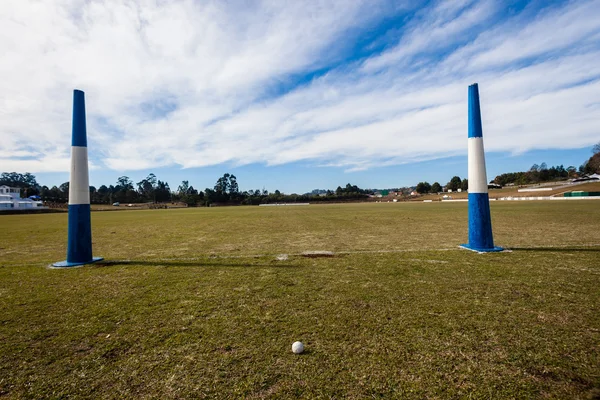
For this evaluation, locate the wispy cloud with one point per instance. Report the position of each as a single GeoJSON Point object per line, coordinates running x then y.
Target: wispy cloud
{"type": "Point", "coordinates": [194, 84]}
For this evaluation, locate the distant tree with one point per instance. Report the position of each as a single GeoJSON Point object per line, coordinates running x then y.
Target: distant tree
{"type": "Point", "coordinates": [95, 195]}
{"type": "Point", "coordinates": [222, 185]}
{"type": "Point", "coordinates": [15, 179]}
{"type": "Point", "coordinates": [436, 187]}
{"type": "Point", "coordinates": [533, 175]}
{"type": "Point", "coordinates": [234, 189]}
{"type": "Point", "coordinates": [147, 186]}
{"type": "Point", "coordinates": [57, 195]}
{"type": "Point", "coordinates": [454, 183]}
{"type": "Point", "coordinates": [464, 184]}
{"type": "Point", "coordinates": [45, 193]}
{"type": "Point", "coordinates": [592, 165]}
{"type": "Point", "coordinates": [125, 183]}
{"type": "Point", "coordinates": [226, 188]}
{"type": "Point", "coordinates": [111, 193]}
{"type": "Point", "coordinates": [162, 192]}
{"type": "Point", "coordinates": [423, 187]}
{"type": "Point", "coordinates": [26, 182]}
{"type": "Point", "coordinates": [183, 188]}
{"type": "Point", "coordinates": [29, 180]}
{"type": "Point", "coordinates": [101, 195]}
{"type": "Point", "coordinates": [64, 187]}
{"type": "Point", "coordinates": [124, 190]}
{"type": "Point", "coordinates": [352, 188]}
{"type": "Point", "coordinates": [188, 194]}
{"type": "Point", "coordinates": [559, 171]}
{"type": "Point", "coordinates": [209, 196]}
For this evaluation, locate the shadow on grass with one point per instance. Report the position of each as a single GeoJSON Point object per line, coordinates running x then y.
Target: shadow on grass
{"type": "Point", "coordinates": [194, 263]}
{"type": "Point", "coordinates": [559, 249]}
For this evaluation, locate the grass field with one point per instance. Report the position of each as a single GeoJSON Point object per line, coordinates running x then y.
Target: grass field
{"type": "Point", "coordinates": [194, 303]}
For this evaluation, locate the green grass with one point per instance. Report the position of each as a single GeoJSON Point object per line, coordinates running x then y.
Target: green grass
{"type": "Point", "coordinates": [193, 303]}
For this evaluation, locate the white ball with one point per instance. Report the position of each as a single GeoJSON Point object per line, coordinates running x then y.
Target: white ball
{"type": "Point", "coordinates": [297, 347]}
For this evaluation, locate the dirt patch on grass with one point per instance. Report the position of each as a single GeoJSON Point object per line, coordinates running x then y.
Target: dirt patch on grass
{"type": "Point", "coordinates": [317, 254]}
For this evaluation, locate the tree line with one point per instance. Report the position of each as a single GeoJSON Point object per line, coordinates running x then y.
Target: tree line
{"type": "Point", "coordinates": [541, 173]}
{"type": "Point", "coordinates": [226, 189]}
{"type": "Point", "coordinates": [454, 184]}
{"type": "Point", "coordinates": [151, 189]}
{"type": "Point", "coordinates": [148, 189]}
{"type": "Point", "coordinates": [535, 174]}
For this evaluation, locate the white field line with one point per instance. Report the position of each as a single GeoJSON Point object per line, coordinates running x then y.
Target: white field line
{"type": "Point", "coordinates": [283, 204]}
{"type": "Point", "coordinates": [544, 189]}
{"type": "Point", "coordinates": [529, 198]}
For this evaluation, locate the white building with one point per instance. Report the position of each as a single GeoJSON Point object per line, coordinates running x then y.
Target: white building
{"type": "Point", "coordinates": [10, 198]}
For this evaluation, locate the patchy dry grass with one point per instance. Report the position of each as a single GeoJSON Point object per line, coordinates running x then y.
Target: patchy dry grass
{"type": "Point", "coordinates": [194, 303]}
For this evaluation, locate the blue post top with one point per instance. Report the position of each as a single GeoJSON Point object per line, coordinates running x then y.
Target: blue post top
{"type": "Point", "coordinates": [79, 136]}
{"type": "Point", "coordinates": [474, 112]}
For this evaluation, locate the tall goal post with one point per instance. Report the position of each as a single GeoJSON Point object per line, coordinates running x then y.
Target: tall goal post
{"type": "Point", "coordinates": [480, 222]}
{"type": "Point", "coordinates": [79, 240]}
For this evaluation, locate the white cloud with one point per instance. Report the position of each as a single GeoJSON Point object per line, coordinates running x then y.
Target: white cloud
{"type": "Point", "coordinates": [558, 30]}
{"type": "Point", "coordinates": [192, 84]}
{"type": "Point", "coordinates": [433, 30]}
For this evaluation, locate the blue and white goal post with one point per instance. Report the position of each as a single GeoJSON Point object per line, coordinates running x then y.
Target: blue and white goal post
{"type": "Point", "coordinates": [79, 241]}
{"type": "Point", "coordinates": [480, 221]}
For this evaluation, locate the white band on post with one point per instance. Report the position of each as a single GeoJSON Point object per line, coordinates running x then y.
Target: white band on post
{"type": "Point", "coordinates": [79, 187]}
{"type": "Point", "coordinates": [477, 173]}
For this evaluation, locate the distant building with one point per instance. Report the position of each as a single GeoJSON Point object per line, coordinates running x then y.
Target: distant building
{"type": "Point", "coordinates": [583, 178]}
{"type": "Point", "coordinates": [10, 198]}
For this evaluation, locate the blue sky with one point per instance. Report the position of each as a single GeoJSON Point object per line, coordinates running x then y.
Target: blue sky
{"type": "Point", "coordinates": [297, 95]}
